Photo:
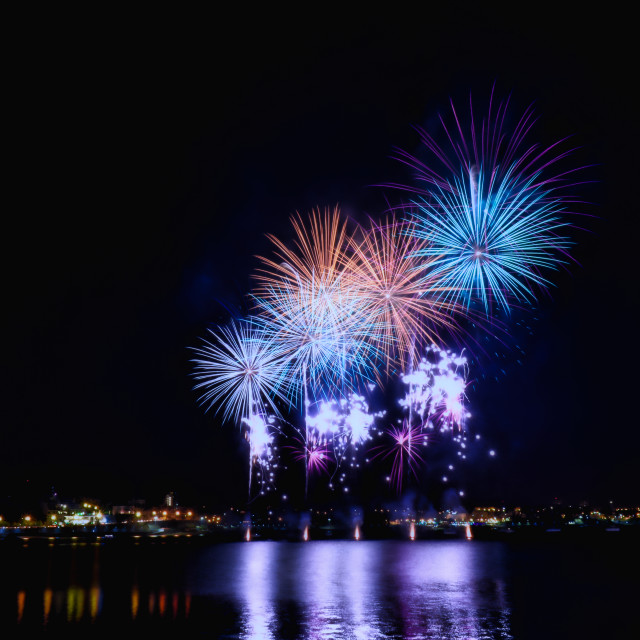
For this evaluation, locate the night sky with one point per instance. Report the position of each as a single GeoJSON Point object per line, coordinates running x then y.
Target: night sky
{"type": "Point", "coordinates": [149, 156]}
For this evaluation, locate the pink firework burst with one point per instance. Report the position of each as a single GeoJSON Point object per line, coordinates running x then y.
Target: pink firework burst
{"type": "Point", "coordinates": [403, 447]}
{"type": "Point", "coordinates": [317, 455]}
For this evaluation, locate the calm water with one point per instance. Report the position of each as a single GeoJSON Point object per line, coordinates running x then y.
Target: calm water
{"type": "Point", "coordinates": [361, 590]}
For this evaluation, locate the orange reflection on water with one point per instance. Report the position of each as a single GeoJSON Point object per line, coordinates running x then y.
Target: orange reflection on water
{"type": "Point", "coordinates": [94, 600]}
{"type": "Point", "coordinates": [21, 597]}
{"type": "Point", "coordinates": [174, 604]}
{"type": "Point", "coordinates": [47, 598]}
{"type": "Point", "coordinates": [135, 602]}
{"type": "Point", "coordinates": [187, 604]}
{"type": "Point", "coordinates": [162, 603]}
{"type": "Point", "coordinates": [152, 602]}
{"type": "Point", "coordinates": [95, 595]}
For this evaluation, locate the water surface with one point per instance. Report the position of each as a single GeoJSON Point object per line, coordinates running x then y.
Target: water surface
{"type": "Point", "coordinates": [334, 590]}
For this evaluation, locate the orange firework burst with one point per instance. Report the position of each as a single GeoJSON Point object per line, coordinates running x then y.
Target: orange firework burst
{"type": "Point", "coordinates": [404, 306]}
{"type": "Point", "coordinates": [304, 302]}
{"type": "Point", "coordinates": [317, 258]}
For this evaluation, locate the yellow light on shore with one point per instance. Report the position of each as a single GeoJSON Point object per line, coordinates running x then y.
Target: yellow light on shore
{"type": "Point", "coordinates": [27, 518]}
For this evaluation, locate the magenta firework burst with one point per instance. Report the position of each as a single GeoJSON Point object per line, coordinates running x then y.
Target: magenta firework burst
{"type": "Point", "coordinates": [403, 448]}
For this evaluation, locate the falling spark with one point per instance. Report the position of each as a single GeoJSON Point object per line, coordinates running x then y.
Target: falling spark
{"type": "Point", "coordinates": [436, 389]}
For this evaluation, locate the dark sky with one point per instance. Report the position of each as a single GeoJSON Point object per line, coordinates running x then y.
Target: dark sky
{"type": "Point", "coordinates": [149, 156]}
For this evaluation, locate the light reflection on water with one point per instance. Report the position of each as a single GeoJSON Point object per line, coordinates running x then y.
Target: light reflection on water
{"type": "Point", "coordinates": [319, 590]}
{"type": "Point", "coordinates": [365, 590]}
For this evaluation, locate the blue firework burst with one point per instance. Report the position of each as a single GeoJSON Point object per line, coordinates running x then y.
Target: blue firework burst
{"type": "Point", "coordinates": [241, 371]}
{"type": "Point", "coordinates": [489, 240]}
{"type": "Point", "coordinates": [492, 210]}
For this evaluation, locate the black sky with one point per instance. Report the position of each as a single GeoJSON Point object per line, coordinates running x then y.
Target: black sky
{"type": "Point", "coordinates": [149, 156]}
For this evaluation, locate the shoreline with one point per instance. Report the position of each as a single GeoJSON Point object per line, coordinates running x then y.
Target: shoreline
{"type": "Point", "coordinates": [110, 535]}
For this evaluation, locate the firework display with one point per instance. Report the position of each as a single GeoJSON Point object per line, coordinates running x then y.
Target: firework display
{"type": "Point", "coordinates": [347, 312]}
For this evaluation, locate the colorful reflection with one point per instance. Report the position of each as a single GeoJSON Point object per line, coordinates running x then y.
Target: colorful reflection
{"type": "Point", "coordinates": [46, 604]}
{"type": "Point", "coordinates": [319, 590]}
{"type": "Point", "coordinates": [22, 596]}
{"type": "Point", "coordinates": [135, 602]}
{"type": "Point", "coordinates": [78, 604]}
{"type": "Point", "coordinates": [371, 590]}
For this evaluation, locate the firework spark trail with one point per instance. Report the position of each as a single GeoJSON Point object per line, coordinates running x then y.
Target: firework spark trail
{"type": "Point", "coordinates": [342, 426]}
{"type": "Point", "coordinates": [260, 435]}
{"type": "Point", "coordinates": [434, 402]}
{"type": "Point", "coordinates": [436, 388]}
{"type": "Point", "coordinates": [347, 417]}
{"type": "Point", "coordinates": [495, 217]}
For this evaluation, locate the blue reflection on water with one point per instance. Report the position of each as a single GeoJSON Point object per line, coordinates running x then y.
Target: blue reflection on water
{"type": "Point", "coordinates": [360, 590]}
